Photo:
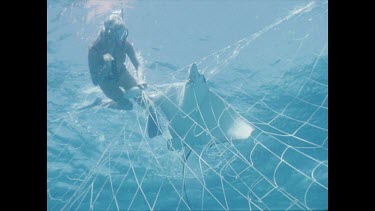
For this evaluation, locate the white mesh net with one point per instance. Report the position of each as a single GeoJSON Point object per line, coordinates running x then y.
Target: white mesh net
{"type": "Point", "coordinates": [103, 159]}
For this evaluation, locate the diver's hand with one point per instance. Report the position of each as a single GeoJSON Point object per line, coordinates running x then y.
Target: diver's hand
{"type": "Point", "coordinates": [106, 68]}
{"type": "Point", "coordinates": [142, 84]}
{"type": "Point", "coordinates": [108, 57]}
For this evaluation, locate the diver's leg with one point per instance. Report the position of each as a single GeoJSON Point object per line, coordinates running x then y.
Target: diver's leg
{"type": "Point", "coordinates": [127, 81]}
{"type": "Point", "coordinates": [112, 91]}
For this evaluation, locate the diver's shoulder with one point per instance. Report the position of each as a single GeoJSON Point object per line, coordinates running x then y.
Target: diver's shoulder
{"type": "Point", "coordinates": [128, 45]}
{"type": "Point", "coordinates": [96, 42]}
{"type": "Point", "coordinates": [95, 46]}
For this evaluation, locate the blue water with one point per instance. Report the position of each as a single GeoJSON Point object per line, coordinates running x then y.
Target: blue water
{"type": "Point", "coordinates": [268, 60]}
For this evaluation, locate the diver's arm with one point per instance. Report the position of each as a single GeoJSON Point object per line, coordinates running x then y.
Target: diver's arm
{"type": "Point", "coordinates": [131, 53]}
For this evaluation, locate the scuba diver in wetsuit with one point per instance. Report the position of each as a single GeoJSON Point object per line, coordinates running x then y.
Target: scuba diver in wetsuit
{"type": "Point", "coordinates": [106, 59]}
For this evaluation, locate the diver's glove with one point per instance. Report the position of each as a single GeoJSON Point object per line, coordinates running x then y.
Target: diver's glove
{"type": "Point", "coordinates": [108, 60]}
{"type": "Point", "coordinates": [107, 70]}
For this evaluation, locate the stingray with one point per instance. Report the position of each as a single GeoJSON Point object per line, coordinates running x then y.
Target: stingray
{"type": "Point", "coordinates": [196, 116]}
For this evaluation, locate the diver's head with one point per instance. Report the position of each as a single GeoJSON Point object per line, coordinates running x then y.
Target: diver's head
{"type": "Point", "coordinates": [114, 29]}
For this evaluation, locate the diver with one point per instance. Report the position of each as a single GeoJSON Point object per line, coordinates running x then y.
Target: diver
{"type": "Point", "coordinates": [106, 58]}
